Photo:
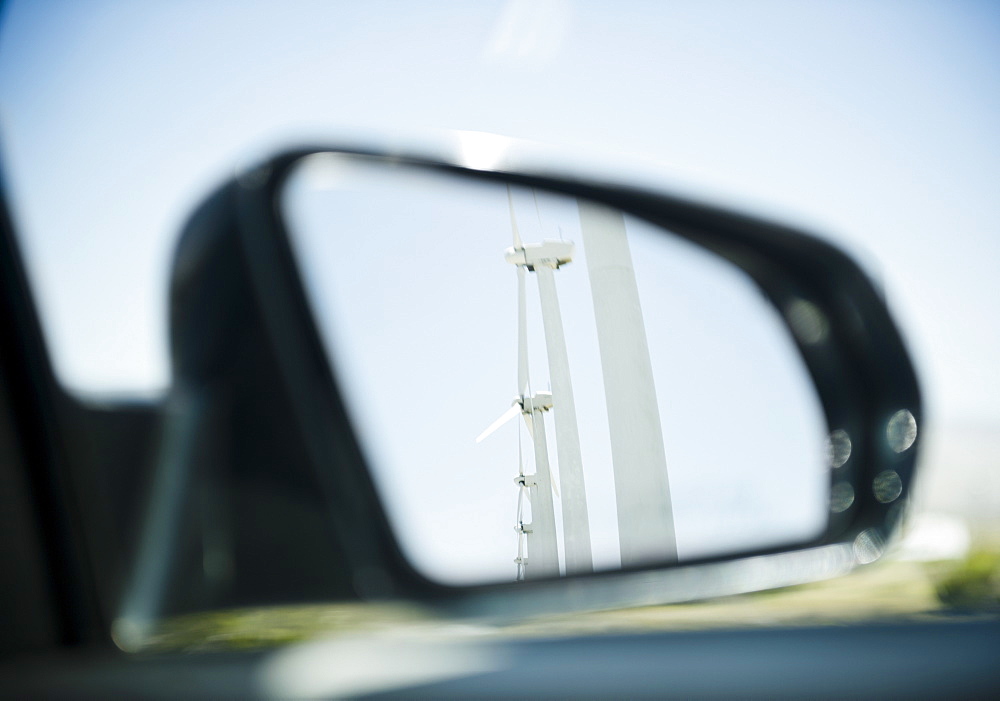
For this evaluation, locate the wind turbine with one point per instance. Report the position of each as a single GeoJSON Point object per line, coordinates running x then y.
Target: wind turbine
{"type": "Point", "coordinates": [543, 259]}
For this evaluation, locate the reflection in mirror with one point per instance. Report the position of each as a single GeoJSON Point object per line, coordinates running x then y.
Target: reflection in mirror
{"type": "Point", "coordinates": [546, 386]}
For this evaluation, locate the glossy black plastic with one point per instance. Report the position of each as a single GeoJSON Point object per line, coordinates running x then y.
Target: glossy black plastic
{"type": "Point", "coordinates": [862, 372]}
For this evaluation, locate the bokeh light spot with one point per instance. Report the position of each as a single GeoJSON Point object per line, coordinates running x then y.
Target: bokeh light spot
{"type": "Point", "coordinates": [887, 486]}
{"type": "Point", "coordinates": [841, 497]}
{"type": "Point", "coordinates": [901, 430]}
{"type": "Point", "coordinates": [838, 448]}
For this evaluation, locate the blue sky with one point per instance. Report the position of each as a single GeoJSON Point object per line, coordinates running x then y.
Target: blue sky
{"type": "Point", "coordinates": [875, 123]}
{"type": "Point", "coordinates": [417, 306]}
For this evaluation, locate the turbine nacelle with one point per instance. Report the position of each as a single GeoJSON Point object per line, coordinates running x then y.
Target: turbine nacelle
{"type": "Point", "coordinates": [549, 254]}
{"type": "Point", "coordinates": [539, 401]}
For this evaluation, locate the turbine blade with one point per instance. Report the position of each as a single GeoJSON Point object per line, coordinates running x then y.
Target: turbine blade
{"type": "Point", "coordinates": [504, 418]}
{"type": "Point", "coordinates": [530, 423]}
{"type": "Point", "coordinates": [520, 463]}
{"type": "Point", "coordinates": [513, 220]}
{"type": "Point", "coordinates": [522, 336]}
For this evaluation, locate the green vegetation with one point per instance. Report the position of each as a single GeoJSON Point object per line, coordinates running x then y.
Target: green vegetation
{"type": "Point", "coordinates": [885, 591]}
{"type": "Point", "coordinates": [973, 583]}
{"type": "Point", "coordinates": [239, 629]}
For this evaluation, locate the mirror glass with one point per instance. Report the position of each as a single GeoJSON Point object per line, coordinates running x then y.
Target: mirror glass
{"type": "Point", "coordinates": [544, 386]}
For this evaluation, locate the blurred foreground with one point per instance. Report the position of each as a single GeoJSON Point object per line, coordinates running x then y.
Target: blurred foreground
{"type": "Point", "coordinates": [889, 591]}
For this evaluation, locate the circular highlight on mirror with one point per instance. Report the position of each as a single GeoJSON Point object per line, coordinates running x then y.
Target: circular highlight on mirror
{"type": "Point", "coordinates": [841, 497]}
{"type": "Point", "coordinates": [807, 321]}
{"type": "Point", "coordinates": [901, 431]}
{"type": "Point", "coordinates": [887, 486]}
{"type": "Point", "coordinates": [868, 546]}
{"type": "Point", "coordinates": [838, 447]}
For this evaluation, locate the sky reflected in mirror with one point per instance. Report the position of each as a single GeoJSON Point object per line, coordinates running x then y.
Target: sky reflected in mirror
{"type": "Point", "coordinates": [414, 280]}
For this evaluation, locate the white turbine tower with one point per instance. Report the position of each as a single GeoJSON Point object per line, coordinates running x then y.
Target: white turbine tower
{"type": "Point", "coordinates": [642, 493]}
{"type": "Point", "coordinates": [543, 259]}
{"type": "Point", "coordinates": [543, 558]}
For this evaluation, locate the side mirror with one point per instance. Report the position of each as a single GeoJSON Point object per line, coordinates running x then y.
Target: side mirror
{"type": "Point", "coordinates": [676, 385]}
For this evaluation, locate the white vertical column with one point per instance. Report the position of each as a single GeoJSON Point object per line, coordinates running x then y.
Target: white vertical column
{"type": "Point", "coordinates": [543, 553]}
{"type": "Point", "coordinates": [642, 493]}
{"type": "Point", "coordinates": [576, 521]}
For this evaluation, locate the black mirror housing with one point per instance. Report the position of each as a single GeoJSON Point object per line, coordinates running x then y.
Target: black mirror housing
{"type": "Point", "coordinates": [259, 416]}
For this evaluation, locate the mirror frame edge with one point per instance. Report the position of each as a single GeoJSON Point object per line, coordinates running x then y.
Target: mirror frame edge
{"type": "Point", "coordinates": [862, 376]}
